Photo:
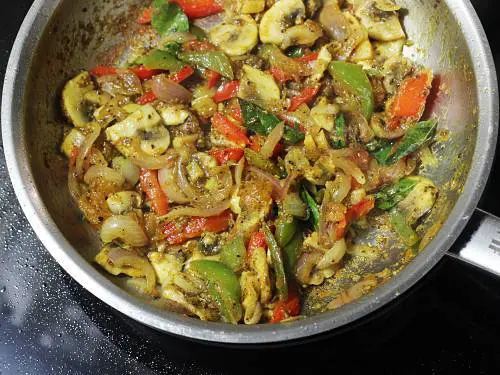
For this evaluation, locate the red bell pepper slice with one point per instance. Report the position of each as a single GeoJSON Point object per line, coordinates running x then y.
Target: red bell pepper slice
{"type": "Point", "coordinates": [360, 209]}
{"type": "Point", "coordinates": [288, 308]}
{"type": "Point", "coordinates": [195, 226]}
{"type": "Point", "coordinates": [409, 102]}
{"type": "Point", "coordinates": [182, 74]}
{"type": "Point", "coordinates": [101, 71]}
{"type": "Point", "coordinates": [306, 95]}
{"type": "Point", "coordinates": [227, 154]}
{"type": "Point", "coordinates": [279, 75]}
{"type": "Point", "coordinates": [227, 91]}
{"type": "Point", "coordinates": [212, 78]}
{"type": "Point", "coordinates": [146, 16]}
{"type": "Point", "coordinates": [147, 98]}
{"type": "Point", "coordinates": [151, 186]}
{"type": "Point", "coordinates": [199, 8]}
{"type": "Point", "coordinates": [308, 58]}
{"type": "Point", "coordinates": [229, 130]}
{"type": "Point", "coordinates": [144, 73]}
{"type": "Point", "coordinates": [140, 71]}
{"type": "Point", "coordinates": [257, 239]}
{"type": "Point", "coordinates": [234, 110]}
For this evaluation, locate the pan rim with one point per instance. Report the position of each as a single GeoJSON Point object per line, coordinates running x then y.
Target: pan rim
{"type": "Point", "coordinates": [86, 275]}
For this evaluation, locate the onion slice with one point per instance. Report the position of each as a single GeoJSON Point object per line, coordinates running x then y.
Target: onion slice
{"type": "Point", "coordinates": [169, 91]}
{"type": "Point", "coordinates": [279, 191]}
{"type": "Point", "coordinates": [125, 228]}
{"type": "Point", "coordinates": [168, 183]}
{"type": "Point", "coordinates": [106, 173]}
{"type": "Point", "coordinates": [86, 146]}
{"type": "Point", "coordinates": [192, 211]}
{"type": "Point", "coordinates": [121, 258]}
{"type": "Point", "coordinates": [143, 160]}
{"type": "Point", "coordinates": [272, 140]}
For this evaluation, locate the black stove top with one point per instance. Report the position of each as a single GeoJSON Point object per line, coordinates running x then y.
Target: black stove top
{"type": "Point", "coordinates": [449, 323]}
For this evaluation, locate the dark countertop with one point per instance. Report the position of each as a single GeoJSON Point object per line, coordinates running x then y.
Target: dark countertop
{"type": "Point", "coordinates": [447, 324]}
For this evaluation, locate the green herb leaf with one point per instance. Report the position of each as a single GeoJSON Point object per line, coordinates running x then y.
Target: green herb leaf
{"type": "Point", "coordinates": [416, 137]}
{"type": "Point", "coordinates": [312, 205]}
{"type": "Point", "coordinates": [168, 18]}
{"type": "Point", "coordinates": [172, 47]}
{"type": "Point", "coordinates": [339, 138]}
{"type": "Point", "coordinates": [198, 32]}
{"type": "Point", "coordinates": [403, 229]}
{"type": "Point", "coordinates": [160, 60]}
{"type": "Point", "coordinates": [295, 52]}
{"type": "Point", "coordinates": [293, 135]}
{"type": "Point", "coordinates": [263, 122]}
{"type": "Point", "coordinates": [213, 60]}
{"type": "Point", "coordinates": [392, 195]}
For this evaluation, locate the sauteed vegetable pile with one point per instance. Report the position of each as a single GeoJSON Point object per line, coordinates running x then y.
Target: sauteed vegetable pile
{"type": "Point", "coordinates": [234, 151]}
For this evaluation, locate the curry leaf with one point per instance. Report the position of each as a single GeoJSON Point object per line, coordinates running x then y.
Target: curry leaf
{"type": "Point", "coordinates": [168, 18]}
{"type": "Point", "coordinates": [313, 207]}
{"type": "Point", "coordinates": [213, 60]}
{"type": "Point", "coordinates": [338, 138]}
{"type": "Point", "coordinates": [381, 149]}
{"type": "Point", "coordinates": [263, 122]}
{"type": "Point", "coordinates": [416, 137]}
{"type": "Point", "coordinates": [392, 195]}
{"type": "Point", "coordinates": [160, 60]}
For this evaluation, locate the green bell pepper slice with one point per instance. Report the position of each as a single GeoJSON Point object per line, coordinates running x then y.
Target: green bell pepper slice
{"type": "Point", "coordinates": [286, 226]}
{"type": "Point", "coordinates": [402, 228]}
{"type": "Point", "coordinates": [354, 80]}
{"type": "Point", "coordinates": [159, 59]}
{"type": "Point", "coordinates": [233, 254]}
{"type": "Point", "coordinates": [291, 253]}
{"type": "Point", "coordinates": [213, 60]}
{"type": "Point", "coordinates": [223, 286]}
{"type": "Point", "coordinates": [277, 261]}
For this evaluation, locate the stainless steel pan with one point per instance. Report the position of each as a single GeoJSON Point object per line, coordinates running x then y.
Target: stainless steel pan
{"type": "Point", "coordinates": [60, 37]}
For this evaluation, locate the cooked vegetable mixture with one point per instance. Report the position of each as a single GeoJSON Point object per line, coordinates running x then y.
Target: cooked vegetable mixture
{"type": "Point", "coordinates": [230, 154]}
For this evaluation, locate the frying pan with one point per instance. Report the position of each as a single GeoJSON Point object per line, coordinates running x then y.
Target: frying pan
{"type": "Point", "coordinates": [60, 37]}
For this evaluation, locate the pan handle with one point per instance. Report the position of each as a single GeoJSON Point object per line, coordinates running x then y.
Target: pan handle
{"type": "Point", "coordinates": [479, 243]}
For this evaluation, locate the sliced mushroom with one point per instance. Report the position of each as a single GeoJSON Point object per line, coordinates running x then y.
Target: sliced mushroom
{"type": "Point", "coordinates": [282, 15]}
{"type": "Point", "coordinates": [250, 6]}
{"type": "Point", "coordinates": [363, 51]}
{"type": "Point", "coordinates": [381, 24]}
{"type": "Point", "coordinates": [420, 200]}
{"type": "Point", "coordinates": [387, 50]}
{"type": "Point", "coordinates": [74, 105]}
{"type": "Point", "coordinates": [156, 141]}
{"type": "Point", "coordinates": [258, 87]}
{"type": "Point", "coordinates": [305, 34]}
{"type": "Point", "coordinates": [237, 37]}
{"type": "Point", "coordinates": [74, 138]}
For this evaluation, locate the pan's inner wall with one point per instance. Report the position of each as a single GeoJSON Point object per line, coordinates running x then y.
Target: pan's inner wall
{"type": "Point", "coordinates": [82, 32]}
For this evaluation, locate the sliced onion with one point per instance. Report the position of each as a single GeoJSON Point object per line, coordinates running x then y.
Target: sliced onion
{"type": "Point", "coordinates": [169, 91]}
{"type": "Point", "coordinates": [350, 168]}
{"type": "Point", "coordinates": [143, 160]}
{"type": "Point", "coordinates": [86, 146]}
{"type": "Point", "coordinates": [192, 211]}
{"type": "Point", "coordinates": [212, 198]}
{"type": "Point", "coordinates": [335, 24]}
{"type": "Point", "coordinates": [166, 177]}
{"type": "Point", "coordinates": [105, 173]}
{"type": "Point", "coordinates": [305, 265]}
{"type": "Point", "coordinates": [209, 22]}
{"type": "Point", "coordinates": [129, 170]}
{"type": "Point", "coordinates": [272, 140]}
{"type": "Point", "coordinates": [73, 185]}
{"type": "Point", "coordinates": [238, 172]}
{"type": "Point", "coordinates": [179, 37]}
{"type": "Point", "coordinates": [124, 82]}
{"type": "Point", "coordinates": [121, 257]}
{"type": "Point", "coordinates": [333, 255]}
{"type": "Point", "coordinates": [125, 228]}
{"type": "Point", "coordinates": [182, 180]}
{"type": "Point", "coordinates": [340, 187]}
{"type": "Point", "coordinates": [277, 189]}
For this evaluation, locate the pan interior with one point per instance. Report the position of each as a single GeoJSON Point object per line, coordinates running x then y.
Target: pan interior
{"type": "Point", "coordinates": [81, 34]}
